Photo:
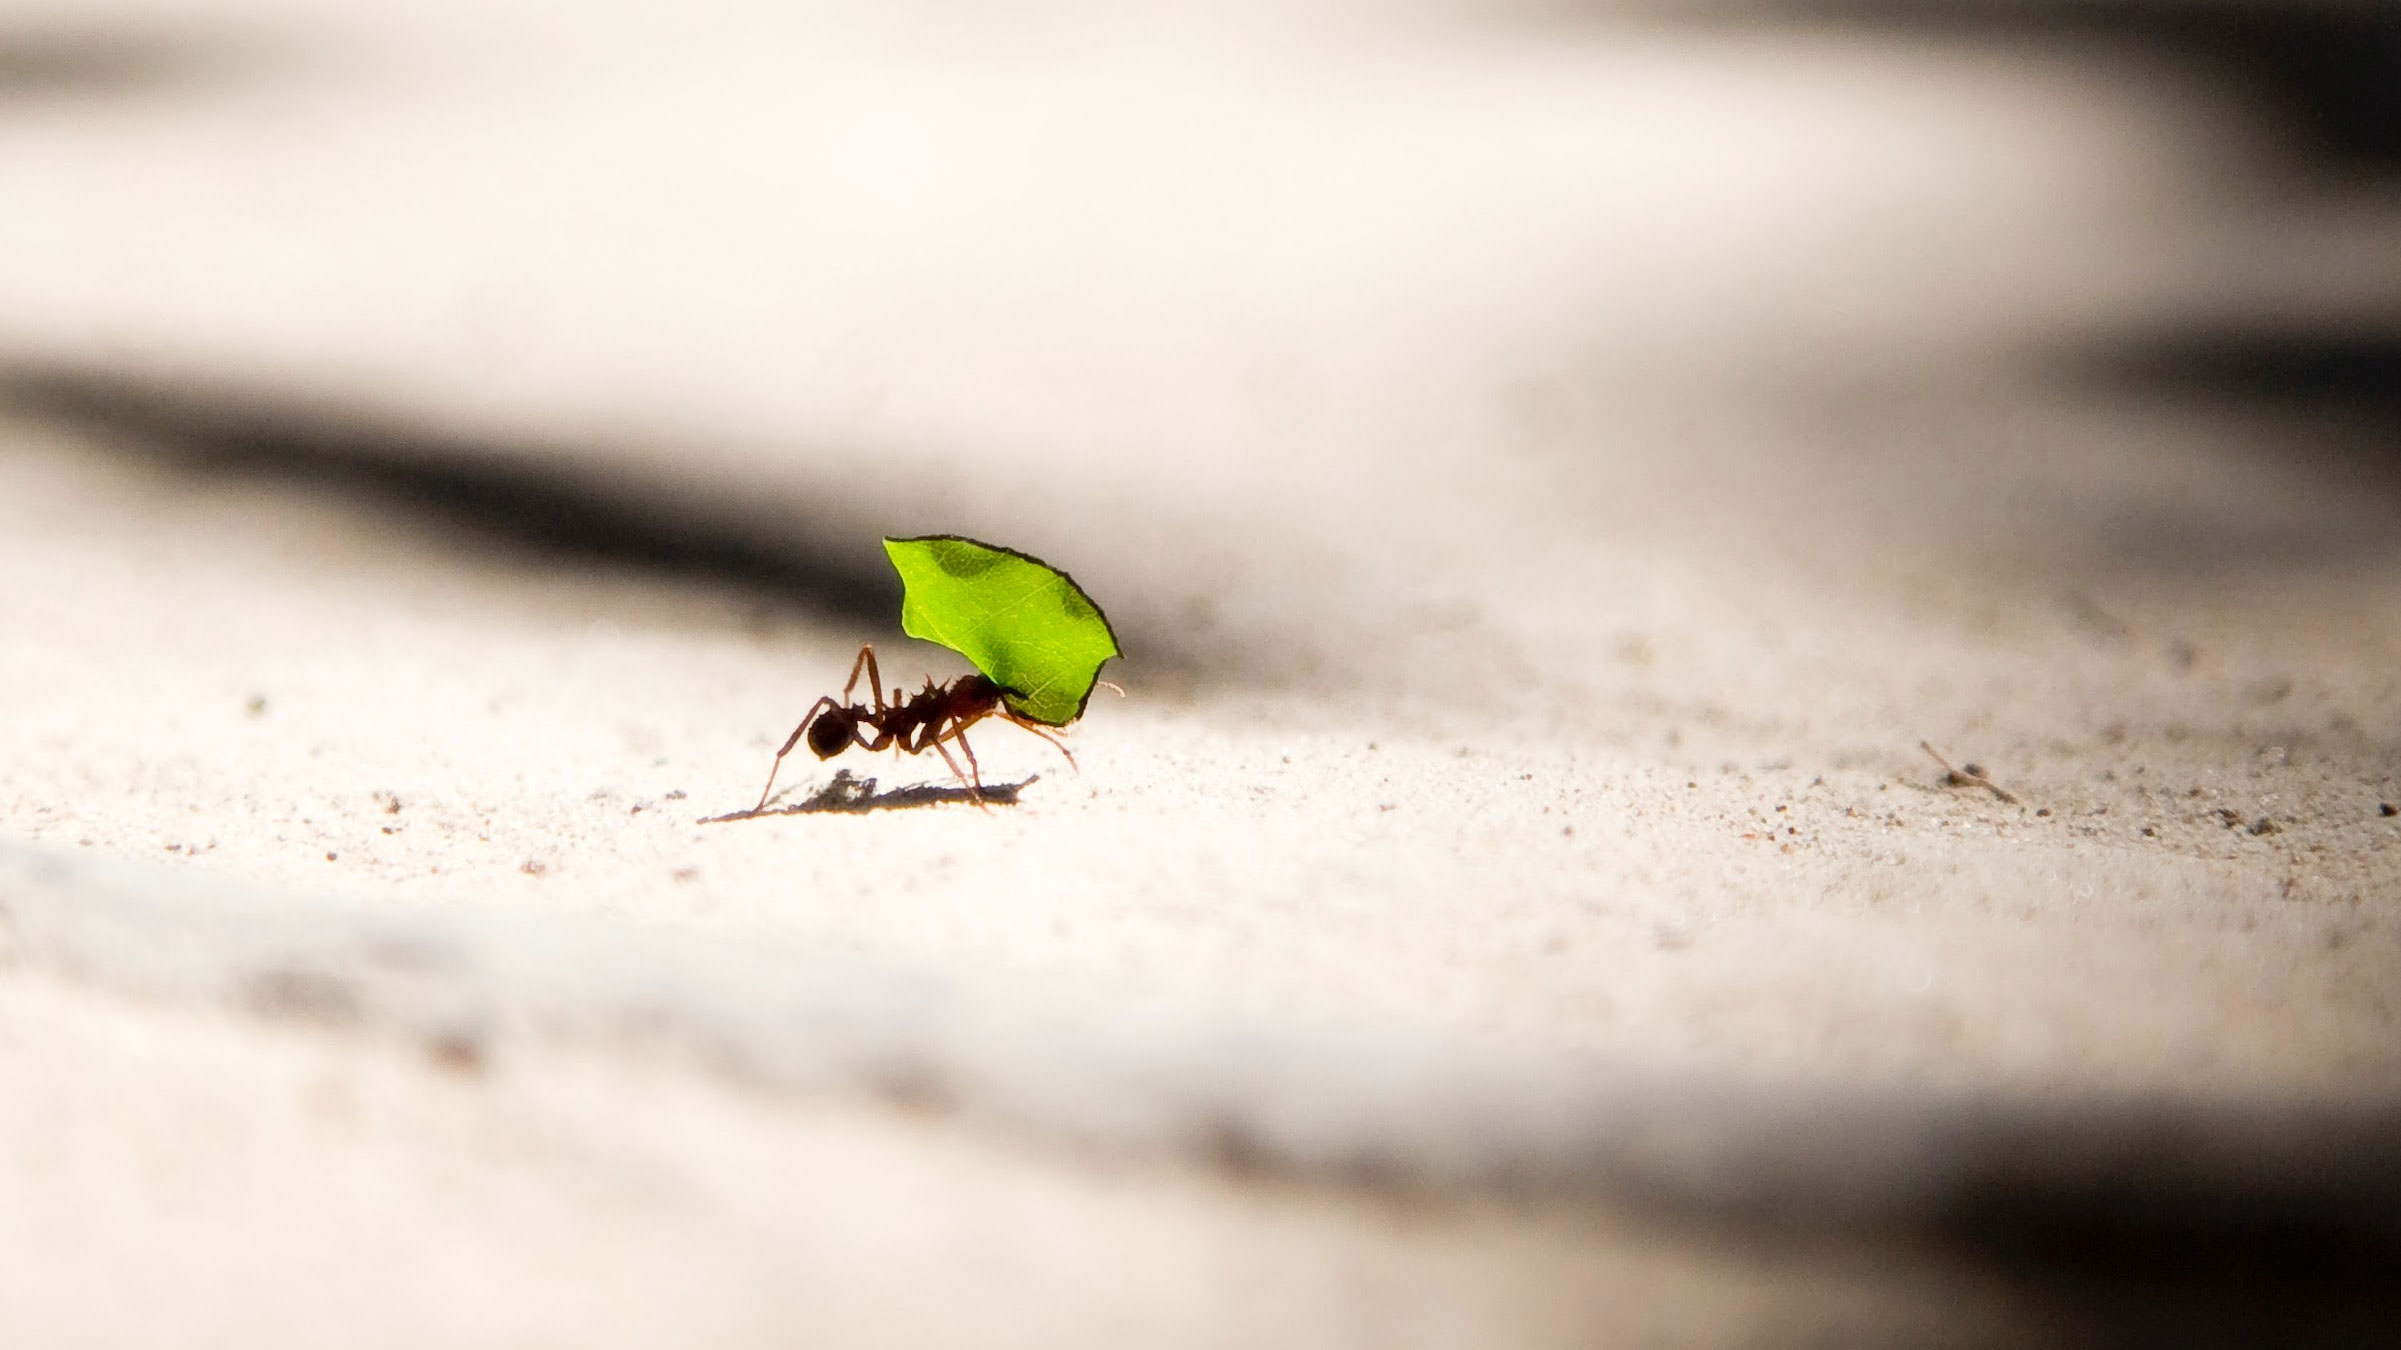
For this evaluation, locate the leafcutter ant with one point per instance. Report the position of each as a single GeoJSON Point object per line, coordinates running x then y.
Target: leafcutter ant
{"type": "Point", "coordinates": [932, 718]}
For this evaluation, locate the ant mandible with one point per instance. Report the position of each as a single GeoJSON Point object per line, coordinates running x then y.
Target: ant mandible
{"type": "Point", "coordinates": [911, 723]}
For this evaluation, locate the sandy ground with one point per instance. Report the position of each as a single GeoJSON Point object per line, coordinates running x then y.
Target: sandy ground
{"type": "Point", "coordinates": [1549, 479]}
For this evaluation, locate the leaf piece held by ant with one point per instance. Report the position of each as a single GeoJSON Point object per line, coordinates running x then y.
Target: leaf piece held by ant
{"type": "Point", "coordinates": [1024, 623]}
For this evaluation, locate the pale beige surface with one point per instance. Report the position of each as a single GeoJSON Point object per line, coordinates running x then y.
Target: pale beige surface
{"type": "Point", "coordinates": [195, 1180]}
{"type": "Point", "coordinates": [1549, 485]}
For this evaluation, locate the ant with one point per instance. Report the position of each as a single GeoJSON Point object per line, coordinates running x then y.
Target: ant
{"type": "Point", "coordinates": [909, 722]}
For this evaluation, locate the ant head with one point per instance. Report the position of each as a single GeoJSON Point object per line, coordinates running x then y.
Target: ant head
{"type": "Point", "coordinates": [976, 692]}
{"type": "Point", "coordinates": [832, 732]}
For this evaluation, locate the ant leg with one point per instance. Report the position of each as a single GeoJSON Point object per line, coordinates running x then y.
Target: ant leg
{"type": "Point", "coordinates": [1062, 745]}
{"type": "Point", "coordinates": [972, 767]}
{"type": "Point", "coordinates": [975, 786]}
{"type": "Point", "coordinates": [794, 739]}
{"type": "Point", "coordinates": [875, 679]}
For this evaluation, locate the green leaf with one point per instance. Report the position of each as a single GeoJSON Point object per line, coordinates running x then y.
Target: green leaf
{"type": "Point", "coordinates": [1023, 622]}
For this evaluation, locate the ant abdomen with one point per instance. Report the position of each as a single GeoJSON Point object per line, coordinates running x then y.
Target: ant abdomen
{"type": "Point", "coordinates": [832, 732]}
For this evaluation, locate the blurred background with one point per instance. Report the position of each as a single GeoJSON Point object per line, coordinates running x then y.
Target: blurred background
{"type": "Point", "coordinates": [426, 426]}
{"type": "Point", "coordinates": [1348, 301]}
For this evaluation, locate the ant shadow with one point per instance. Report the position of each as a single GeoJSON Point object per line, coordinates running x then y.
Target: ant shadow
{"type": "Point", "coordinates": [848, 794]}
